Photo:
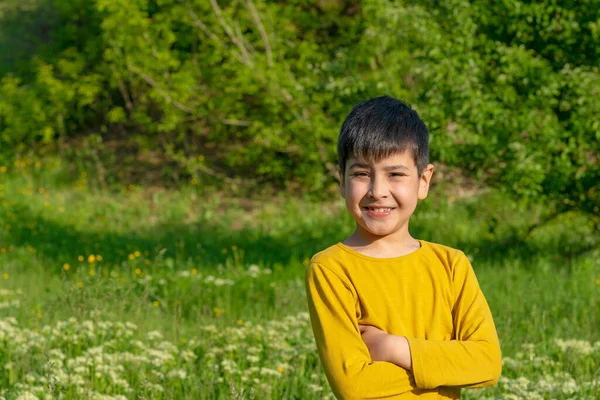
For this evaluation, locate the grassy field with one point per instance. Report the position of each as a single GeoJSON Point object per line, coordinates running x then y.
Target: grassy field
{"type": "Point", "coordinates": [153, 294]}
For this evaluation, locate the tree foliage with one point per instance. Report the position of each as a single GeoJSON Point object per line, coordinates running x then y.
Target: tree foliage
{"type": "Point", "coordinates": [246, 92]}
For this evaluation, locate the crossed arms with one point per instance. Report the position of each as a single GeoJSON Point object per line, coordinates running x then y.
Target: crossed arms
{"type": "Point", "coordinates": [364, 362]}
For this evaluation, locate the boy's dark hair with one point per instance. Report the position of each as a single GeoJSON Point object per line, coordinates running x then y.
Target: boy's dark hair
{"type": "Point", "coordinates": [381, 127]}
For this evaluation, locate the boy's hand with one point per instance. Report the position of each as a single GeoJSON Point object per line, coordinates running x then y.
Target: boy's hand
{"type": "Point", "coordinates": [386, 347]}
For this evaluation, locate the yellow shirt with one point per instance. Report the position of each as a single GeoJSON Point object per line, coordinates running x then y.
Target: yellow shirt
{"type": "Point", "coordinates": [431, 296]}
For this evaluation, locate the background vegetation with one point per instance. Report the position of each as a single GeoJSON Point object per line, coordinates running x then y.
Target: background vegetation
{"type": "Point", "coordinates": [167, 168]}
{"type": "Point", "coordinates": [242, 93]}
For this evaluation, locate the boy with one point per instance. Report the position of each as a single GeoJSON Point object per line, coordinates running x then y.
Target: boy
{"type": "Point", "coordinates": [395, 317]}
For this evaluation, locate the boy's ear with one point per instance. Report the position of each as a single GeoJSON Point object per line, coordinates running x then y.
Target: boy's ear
{"type": "Point", "coordinates": [342, 182]}
{"type": "Point", "coordinates": [424, 181]}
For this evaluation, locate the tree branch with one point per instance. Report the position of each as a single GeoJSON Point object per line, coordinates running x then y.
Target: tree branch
{"type": "Point", "coordinates": [229, 31]}
{"type": "Point", "coordinates": [211, 35]}
{"type": "Point", "coordinates": [263, 33]}
{"type": "Point", "coordinates": [162, 91]}
{"type": "Point", "coordinates": [123, 90]}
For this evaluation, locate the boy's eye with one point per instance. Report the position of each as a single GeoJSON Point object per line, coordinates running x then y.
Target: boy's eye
{"type": "Point", "coordinates": [398, 174]}
{"type": "Point", "coordinates": [360, 174]}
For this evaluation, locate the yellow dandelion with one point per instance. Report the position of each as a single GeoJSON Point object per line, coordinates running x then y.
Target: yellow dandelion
{"type": "Point", "coordinates": [66, 267]}
{"type": "Point", "coordinates": [234, 247]}
{"type": "Point", "coordinates": [3, 168]}
{"type": "Point", "coordinates": [80, 284]}
{"type": "Point", "coordinates": [224, 251]}
{"type": "Point", "coordinates": [193, 181]}
{"type": "Point", "coordinates": [183, 340]}
{"type": "Point", "coordinates": [138, 271]}
{"type": "Point", "coordinates": [219, 311]}
{"type": "Point", "coordinates": [98, 257]}
{"type": "Point", "coordinates": [39, 315]}
{"type": "Point", "coordinates": [92, 272]}
{"type": "Point", "coordinates": [146, 262]}
{"type": "Point", "coordinates": [5, 276]}
{"type": "Point", "coordinates": [131, 257]}
{"type": "Point", "coordinates": [137, 253]}
{"type": "Point", "coordinates": [91, 258]}
{"type": "Point", "coordinates": [597, 281]}
{"type": "Point", "coordinates": [194, 271]}
{"type": "Point", "coordinates": [280, 369]}
{"type": "Point", "coordinates": [240, 322]}
{"type": "Point", "coordinates": [156, 303]}
{"type": "Point", "coordinates": [80, 258]}
{"type": "Point", "coordinates": [3, 250]}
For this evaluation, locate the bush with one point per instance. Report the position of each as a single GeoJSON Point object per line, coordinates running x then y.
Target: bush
{"type": "Point", "coordinates": [241, 94]}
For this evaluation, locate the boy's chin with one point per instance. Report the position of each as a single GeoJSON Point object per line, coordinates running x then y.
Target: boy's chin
{"type": "Point", "coordinates": [375, 233]}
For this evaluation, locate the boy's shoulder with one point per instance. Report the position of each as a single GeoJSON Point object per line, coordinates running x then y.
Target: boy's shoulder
{"type": "Point", "coordinates": [330, 257]}
{"type": "Point", "coordinates": [443, 252]}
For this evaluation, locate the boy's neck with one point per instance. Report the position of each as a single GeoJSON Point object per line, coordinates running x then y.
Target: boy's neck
{"type": "Point", "coordinates": [389, 246]}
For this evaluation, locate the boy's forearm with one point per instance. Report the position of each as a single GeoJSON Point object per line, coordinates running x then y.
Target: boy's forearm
{"type": "Point", "coordinates": [400, 351]}
{"type": "Point", "coordinates": [397, 350]}
{"type": "Point", "coordinates": [387, 347]}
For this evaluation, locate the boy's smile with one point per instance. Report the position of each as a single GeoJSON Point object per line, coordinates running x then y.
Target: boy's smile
{"type": "Point", "coordinates": [381, 196]}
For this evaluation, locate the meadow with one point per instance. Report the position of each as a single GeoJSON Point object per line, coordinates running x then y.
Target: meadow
{"type": "Point", "coordinates": [150, 293]}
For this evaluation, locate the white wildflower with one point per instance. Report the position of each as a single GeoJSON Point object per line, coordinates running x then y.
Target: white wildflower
{"type": "Point", "coordinates": [27, 396]}
{"type": "Point", "coordinates": [253, 359]}
{"type": "Point", "coordinates": [269, 372]}
{"type": "Point", "coordinates": [188, 355]}
{"type": "Point", "coordinates": [253, 270]}
{"type": "Point", "coordinates": [177, 373]}
{"type": "Point", "coordinates": [315, 388]}
{"type": "Point", "coordinates": [155, 335]}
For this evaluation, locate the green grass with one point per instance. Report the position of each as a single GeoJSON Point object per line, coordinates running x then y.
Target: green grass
{"type": "Point", "coordinates": [214, 288]}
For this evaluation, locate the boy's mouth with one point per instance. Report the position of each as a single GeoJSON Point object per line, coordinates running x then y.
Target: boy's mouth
{"type": "Point", "coordinates": [379, 209]}
{"type": "Point", "coordinates": [378, 212]}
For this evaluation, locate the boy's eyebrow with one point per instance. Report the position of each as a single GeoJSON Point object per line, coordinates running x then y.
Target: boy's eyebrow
{"type": "Point", "coordinates": [358, 165]}
{"type": "Point", "coordinates": [387, 168]}
{"type": "Point", "coordinates": [393, 167]}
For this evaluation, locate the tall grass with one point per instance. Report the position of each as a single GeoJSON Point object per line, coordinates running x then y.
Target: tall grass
{"type": "Point", "coordinates": [147, 293]}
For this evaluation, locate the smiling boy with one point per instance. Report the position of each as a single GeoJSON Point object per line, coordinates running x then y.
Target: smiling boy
{"type": "Point", "coordinates": [393, 316]}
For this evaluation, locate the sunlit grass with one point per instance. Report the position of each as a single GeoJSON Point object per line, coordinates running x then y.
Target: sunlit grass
{"type": "Point", "coordinates": [202, 273]}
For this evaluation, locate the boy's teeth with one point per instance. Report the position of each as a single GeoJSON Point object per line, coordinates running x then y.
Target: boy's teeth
{"type": "Point", "coordinates": [379, 210]}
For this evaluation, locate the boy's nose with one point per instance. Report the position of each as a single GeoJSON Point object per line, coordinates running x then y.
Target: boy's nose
{"type": "Point", "coordinates": [377, 189]}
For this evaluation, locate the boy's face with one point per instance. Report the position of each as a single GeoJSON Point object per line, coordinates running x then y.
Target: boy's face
{"type": "Point", "coordinates": [381, 196]}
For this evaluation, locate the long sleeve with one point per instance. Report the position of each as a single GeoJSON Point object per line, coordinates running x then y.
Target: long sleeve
{"type": "Point", "coordinates": [473, 359]}
{"type": "Point", "coordinates": [345, 357]}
